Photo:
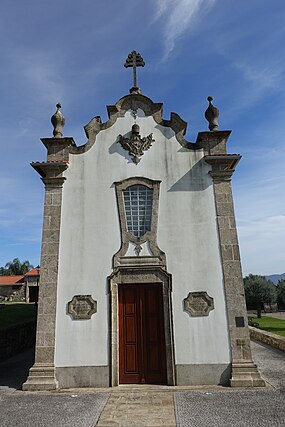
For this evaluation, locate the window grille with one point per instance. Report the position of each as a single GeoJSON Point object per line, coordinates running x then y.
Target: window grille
{"type": "Point", "coordinates": [138, 208]}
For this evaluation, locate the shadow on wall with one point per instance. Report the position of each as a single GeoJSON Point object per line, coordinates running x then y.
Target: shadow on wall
{"type": "Point", "coordinates": [194, 180]}
{"type": "Point", "coordinates": [118, 149]}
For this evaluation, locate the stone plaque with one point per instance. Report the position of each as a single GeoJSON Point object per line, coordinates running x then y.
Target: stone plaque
{"type": "Point", "coordinates": [198, 304]}
{"type": "Point", "coordinates": [82, 307]}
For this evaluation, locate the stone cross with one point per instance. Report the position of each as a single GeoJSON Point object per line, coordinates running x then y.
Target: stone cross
{"type": "Point", "coordinates": [134, 60]}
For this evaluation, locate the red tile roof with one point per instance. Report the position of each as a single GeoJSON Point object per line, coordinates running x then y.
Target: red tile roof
{"type": "Point", "coordinates": [11, 280]}
{"type": "Point", "coordinates": [33, 272]}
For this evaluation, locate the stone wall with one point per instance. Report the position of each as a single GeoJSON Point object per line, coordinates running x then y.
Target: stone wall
{"type": "Point", "coordinates": [17, 338]}
{"type": "Point", "coordinates": [12, 292]}
{"type": "Point", "coordinates": [267, 338]}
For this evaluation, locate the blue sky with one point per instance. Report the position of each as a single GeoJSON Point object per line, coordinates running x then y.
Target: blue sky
{"type": "Point", "coordinates": [73, 52]}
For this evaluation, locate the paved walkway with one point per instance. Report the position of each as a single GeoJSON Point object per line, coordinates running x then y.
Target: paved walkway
{"type": "Point", "coordinates": [146, 405]}
{"type": "Point", "coordinates": [139, 408]}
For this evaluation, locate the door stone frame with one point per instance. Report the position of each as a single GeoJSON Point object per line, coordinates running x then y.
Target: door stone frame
{"type": "Point", "coordinates": [140, 275]}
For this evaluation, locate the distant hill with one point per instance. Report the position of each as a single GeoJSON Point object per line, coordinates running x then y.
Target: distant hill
{"type": "Point", "coordinates": [275, 277]}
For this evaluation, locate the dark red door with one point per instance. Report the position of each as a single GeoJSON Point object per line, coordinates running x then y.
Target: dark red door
{"type": "Point", "coordinates": [142, 355]}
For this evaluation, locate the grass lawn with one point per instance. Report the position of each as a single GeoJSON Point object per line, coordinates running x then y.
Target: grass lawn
{"type": "Point", "coordinates": [270, 324]}
{"type": "Point", "coordinates": [14, 313]}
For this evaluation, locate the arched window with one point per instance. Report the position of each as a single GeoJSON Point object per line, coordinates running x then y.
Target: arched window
{"type": "Point", "coordinates": [138, 209]}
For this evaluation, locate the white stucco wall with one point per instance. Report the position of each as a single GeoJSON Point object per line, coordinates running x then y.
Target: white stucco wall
{"type": "Point", "coordinates": [90, 236]}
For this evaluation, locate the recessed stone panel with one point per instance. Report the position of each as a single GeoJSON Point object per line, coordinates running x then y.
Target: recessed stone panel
{"type": "Point", "coordinates": [82, 307]}
{"type": "Point", "coordinates": [198, 304]}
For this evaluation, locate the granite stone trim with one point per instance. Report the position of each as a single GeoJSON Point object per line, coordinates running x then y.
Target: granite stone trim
{"type": "Point", "coordinates": [134, 102]}
{"type": "Point", "coordinates": [83, 376]}
{"type": "Point", "coordinates": [42, 374]}
{"type": "Point", "coordinates": [213, 142]}
{"type": "Point", "coordinates": [203, 374]}
{"type": "Point", "coordinates": [135, 275]}
{"type": "Point", "coordinates": [149, 236]}
{"type": "Point", "coordinates": [222, 170]}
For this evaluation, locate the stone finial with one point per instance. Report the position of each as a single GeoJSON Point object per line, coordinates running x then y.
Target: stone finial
{"type": "Point", "coordinates": [212, 114]}
{"type": "Point", "coordinates": [58, 122]}
{"type": "Point", "coordinates": [134, 60]}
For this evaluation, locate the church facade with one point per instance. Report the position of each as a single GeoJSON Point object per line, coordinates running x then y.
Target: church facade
{"type": "Point", "coordinates": [141, 279]}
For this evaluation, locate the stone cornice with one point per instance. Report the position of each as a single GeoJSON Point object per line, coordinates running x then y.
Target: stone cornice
{"type": "Point", "coordinates": [223, 166]}
{"type": "Point", "coordinates": [51, 172]}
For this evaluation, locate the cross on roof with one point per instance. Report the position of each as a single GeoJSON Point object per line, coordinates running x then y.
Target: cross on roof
{"type": "Point", "coordinates": [134, 60]}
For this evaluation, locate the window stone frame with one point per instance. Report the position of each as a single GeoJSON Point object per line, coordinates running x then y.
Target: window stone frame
{"type": "Point", "coordinates": [158, 256]}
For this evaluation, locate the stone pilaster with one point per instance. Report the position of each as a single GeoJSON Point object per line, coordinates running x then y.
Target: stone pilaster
{"type": "Point", "coordinates": [42, 374]}
{"type": "Point", "coordinates": [244, 371]}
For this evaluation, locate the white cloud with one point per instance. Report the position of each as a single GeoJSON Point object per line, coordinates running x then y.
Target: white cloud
{"type": "Point", "coordinates": [178, 16]}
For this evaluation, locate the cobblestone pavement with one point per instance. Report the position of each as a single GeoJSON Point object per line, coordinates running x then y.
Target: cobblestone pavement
{"type": "Point", "coordinates": [271, 363]}
{"type": "Point", "coordinates": [20, 409]}
{"type": "Point", "coordinates": [147, 405]}
{"type": "Point", "coordinates": [243, 408]}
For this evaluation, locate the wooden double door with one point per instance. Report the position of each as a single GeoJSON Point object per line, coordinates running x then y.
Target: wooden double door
{"type": "Point", "coordinates": [142, 352]}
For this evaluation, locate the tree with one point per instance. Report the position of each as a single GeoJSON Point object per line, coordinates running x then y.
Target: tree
{"type": "Point", "coordinates": [15, 267]}
{"type": "Point", "coordinates": [281, 293]}
{"type": "Point", "coordinates": [259, 291]}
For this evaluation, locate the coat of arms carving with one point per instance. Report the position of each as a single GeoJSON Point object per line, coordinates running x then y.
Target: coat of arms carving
{"type": "Point", "coordinates": [136, 145]}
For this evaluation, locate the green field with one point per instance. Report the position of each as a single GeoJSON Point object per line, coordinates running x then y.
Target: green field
{"type": "Point", "coordinates": [270, 324]}
{"type": "Point", "coordinates": [13, 313]}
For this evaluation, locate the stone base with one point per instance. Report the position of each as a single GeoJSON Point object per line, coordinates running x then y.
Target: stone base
{"type": "Point", "coordinates": [245, 374]}
{"type": "Point", "coordinates": [41, 377]}
{"type": "Point", "coordinates": [83, 376]}
{"type": "Point", "coordinates": [203, 374]}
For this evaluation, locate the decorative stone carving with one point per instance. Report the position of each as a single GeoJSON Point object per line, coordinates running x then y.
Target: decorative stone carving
{"type": "Point", "coordinates": [198, 304]}
{"type": "Point", "coordinates": [82, 307]}
{"type": "Point", "coordinates": [212, 115]}
{"type": "Point", "coordinates": [58, 121]}
{"type": "Point", "coordinates": [136, 145]}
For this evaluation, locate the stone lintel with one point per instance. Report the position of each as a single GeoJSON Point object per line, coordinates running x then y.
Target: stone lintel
{"type": "Point", "coordinates": [213, 142]}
